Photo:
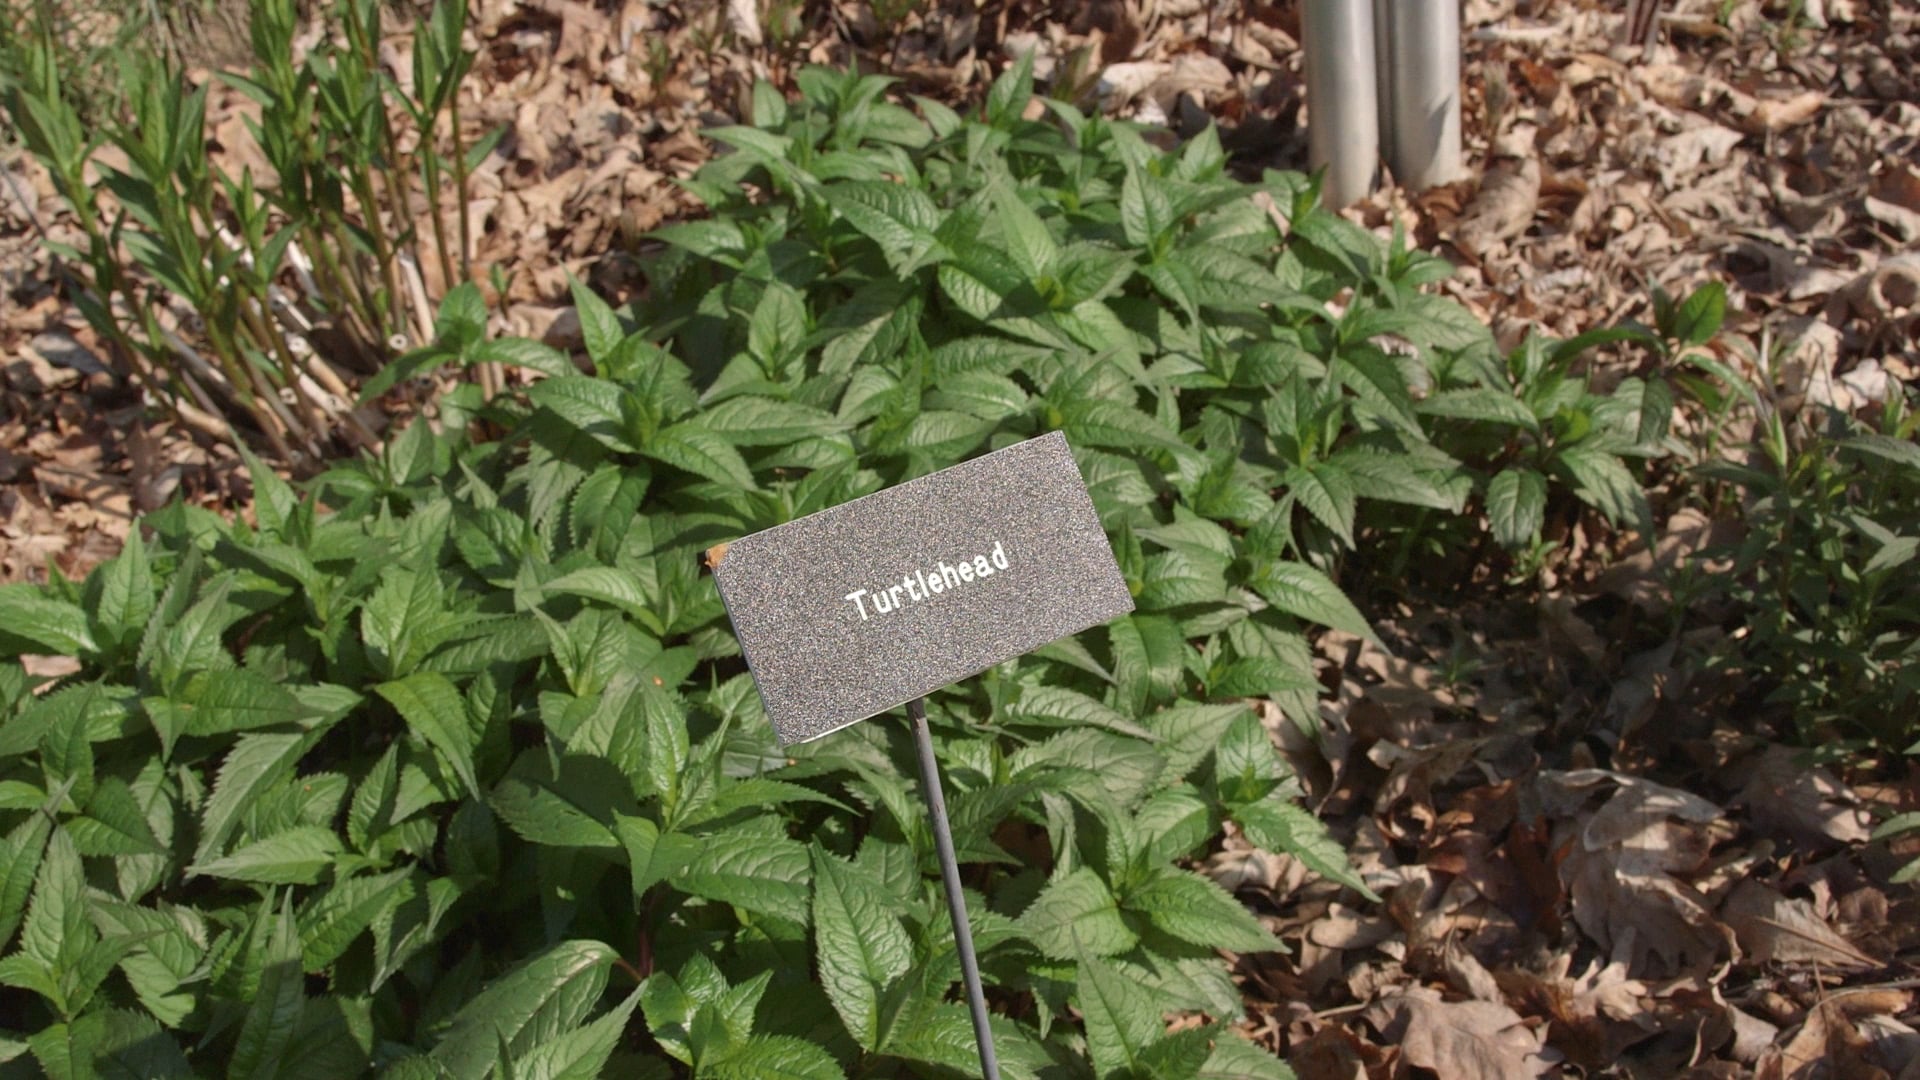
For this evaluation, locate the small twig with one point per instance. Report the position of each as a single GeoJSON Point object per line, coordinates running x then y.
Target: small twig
{"type": "Point", "coordinates": [417, 291]}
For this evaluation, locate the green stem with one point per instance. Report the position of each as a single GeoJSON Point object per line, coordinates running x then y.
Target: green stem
{"type": "Point", "coordinates": [460, 184]}
{"type": "Point", "coordinates": [430, 169]}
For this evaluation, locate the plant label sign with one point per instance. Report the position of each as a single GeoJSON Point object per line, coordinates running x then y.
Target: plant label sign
{"type": "Point", "coordinates": [851, 611]}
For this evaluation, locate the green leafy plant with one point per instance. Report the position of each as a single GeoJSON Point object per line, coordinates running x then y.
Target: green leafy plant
{"type": "Point", "coordinates": [448, 763]}
{"type": "Point", "coordinates": [329, 240]}
{"type": "Point", "coordinates": [1823, 577]}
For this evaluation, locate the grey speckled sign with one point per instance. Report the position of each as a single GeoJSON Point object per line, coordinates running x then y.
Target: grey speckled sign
{"type": "Point", "coordinates": [851, 611]}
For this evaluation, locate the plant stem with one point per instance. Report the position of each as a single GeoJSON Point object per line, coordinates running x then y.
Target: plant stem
{"type": "Point", "coordinates": [460, 184]}
{"type": "Point", "coordinates": [430, 169]}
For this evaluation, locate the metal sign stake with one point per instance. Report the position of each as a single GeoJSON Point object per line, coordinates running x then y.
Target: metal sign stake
{"type": "Point", "coordinates": [852, 611]}
{"type": "Point", "coordinates": [950, 876]}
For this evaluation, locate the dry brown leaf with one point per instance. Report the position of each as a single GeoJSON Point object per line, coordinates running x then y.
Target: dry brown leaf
{"type": "Point", "coordinates": [1503, 209]}
{"type": "Point", "coordinates": [1790, 797]}
{"type": "Point", "coordinates": [1626, 867]}
{"type": "Point", "coordinates": [1773, 928]}
{"type": "Point", "coordinates": [1461, 1040]}
{"type": "Point", "coordinates": [1891, 1045]}
{"type": "Point", "coordinates": [1751, 1035]}
{"type": "Point", "coordinates": [1826, 1047]}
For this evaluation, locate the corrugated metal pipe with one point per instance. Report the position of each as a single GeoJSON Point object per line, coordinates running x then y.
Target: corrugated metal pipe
{"type": "Point", "coordinates": [1383, 80]}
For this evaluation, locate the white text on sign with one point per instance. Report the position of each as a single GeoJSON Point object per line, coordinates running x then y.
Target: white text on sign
{"type": "Point", "coordinates": [919, 585]}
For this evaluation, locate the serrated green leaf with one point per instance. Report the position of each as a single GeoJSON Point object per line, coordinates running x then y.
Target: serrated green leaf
{"type": "Point", "coordinates": [1301, 590]}
{"type": "Point", "coordinates": [1885, 447]}
{"type": "Point", "coordinates": [406, 618]}
{"type": "Point", "coordinates": [434, 710]}
{"type": "Point", "coordinates": [335, 1037]}
{"type": "Point", "coordinates": [1699, 316]}
{"type": "Point", "coordinates": [704, 453]}
{"type": "Point", "coordinates": [20, 859]}
{"type": "Point", "coordinates": [1394, 477]}
{"type": "Point", "coordinates": [330, 922]}
{"type": "Point", "coordinates": [535, 1003]}
{"type": "Point", "coordinates": [1194, 909]}
{"type": "Point", "coordinates": [898, 218]}
{"type": "Point", "coordinates": [42, 623]}
{"type": "Point", "coordinates": [277, 1003]}
{"type": "Point", "coordinates": [1234, 1058]}
{"type": "Point", "coordinates": [748, 868]}
{"type": "Point", "coordinates": [237, 700]}
{"type": "Point", "coordinates": [1145, 210]}
{"type": "Point", "coordinates": [1603, 482]}
{"type": "Point", "coordinates": [114, 823]}
{"type": "Point", "coordinates": [574, 807]}
{"type": "Point", "coordinates": [652, 856]}
{"type": "Point", "coordinates": [591, 405]}
{"type": "Point", "coordinates": [751, 420]}
{"type": "Point", "coordinates": [860, 948]}
{"type": "Point", "coordinates": [1516, 506]}
{"type": "Point", "coordinates": [1008, 96]}
{"type": "Point", "coordinates": [1120, 1016]}
{"type": "Point", "coordinates": [1280, 826]}
{"type": "Point", "coordinates": [1097, 422]}
{"type": "Point", "coordinates": [600, 328]}
{"type": "Point", "coordinates": [126, 592]}
{"type": "Point", "coordinates": [523, 353]}
{"type": "Point", "coordinates": [1328, 494]}
{"type": "Point", "coordinates": [607, 585]}
{"type": "Point", "coordinates": [1149, 654]}
{"type": "Point", "coordinates": [1025, 236]}
{"type": "Point", "coordinates": [1181, 579]}
{"type": "Point", "coordinates": [294, 856]}
{"type": "Point", "coordinates": [1480, 403]}
{"type": "Point", "coordinates": [1054, 706]}
{"type": "Point", "coordinates": [941, 1033]}
{"type": "Point", "coordinates": [1076, 912]}
{"type": "Point", "coordinates": [56, 929]}
{"type": "Point", "coordinates": [773, 1057]}
{"type": "Point", "coordinates": [252, 767]}
{"type": "Point", "coordinates": [580, 1054]}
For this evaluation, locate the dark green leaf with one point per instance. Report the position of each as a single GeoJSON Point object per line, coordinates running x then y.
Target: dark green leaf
{"type": "Point", "coordinates": [860, 948]}
{"type": "Point", "coordinates": [433, 710]}
{"type": "Point", "coordinates": [1120, 1016]}
{"type": "Point", "coordinates": [1280, 826]}
{"type": "Point", "coordinates": [1194, 909]}
{"type": "Point", "coordinates": [1516, 506]}
{"type": "Point", "coordinates": [1076, 913]}
{"type": "Point", "coordinates": [532, 1005]}
{"type": "Point", "coordinates": [1299, 589]}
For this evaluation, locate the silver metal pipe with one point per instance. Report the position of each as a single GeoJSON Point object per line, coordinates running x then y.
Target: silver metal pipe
{"type": "Point", "coordinates": [1343, 104]}
{"type": "Point", "coordinates": [1423, 136]}
{"type": "Point", "coordinates": [1383, 68]}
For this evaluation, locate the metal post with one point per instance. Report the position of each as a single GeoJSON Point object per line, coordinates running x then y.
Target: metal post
{"type": "Point", "coordinates": [950, 876]}
{"type": "Point", "coordinates": [1383, 76]}
{"type": "Point", "coordinates": [1423, 138]}
{"type": "Point", "coordinates": [1343, 104]}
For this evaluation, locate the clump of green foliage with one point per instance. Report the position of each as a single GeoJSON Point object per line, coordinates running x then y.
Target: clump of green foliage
{"type": "Point", "coordinates": [1822, 582]}
{"type": "Point", "coordinates": [448, 764]}
{"type": "Point", "coordinates": [1824, 574]}
{"type": "Point", "coordinates": [330, 239]}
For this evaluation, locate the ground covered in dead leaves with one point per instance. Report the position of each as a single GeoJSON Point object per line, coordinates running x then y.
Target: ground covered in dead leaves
{"type": "Point", "coordinates": [1592, 857]}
